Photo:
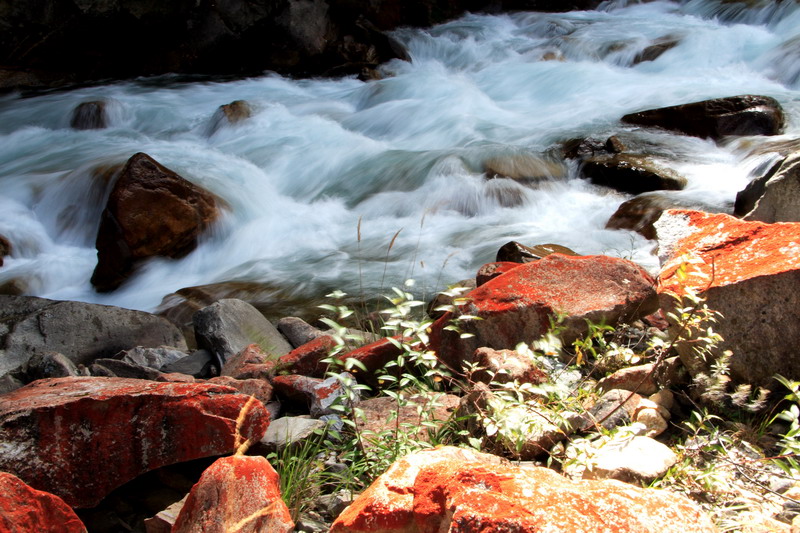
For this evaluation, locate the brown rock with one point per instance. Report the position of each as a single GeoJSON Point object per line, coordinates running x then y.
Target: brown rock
{"type": "Point", "coordinates": [717, 118]}
{"type": "Point", "coordinates": [382, 414]}
{"type": "Point", "coordinates": [152, 211]}
{"type": "Point", "coordinates": [5, 248]}
{"type": "Point", "coordinates": [55, 433]}
{"type": "Point", "coordinates": [24, 509]}
{"type": "Point", "coordinates": [89, 116]}
{"type": "Point", "coordinates": [489, 271]}
{"type": "Point", "coordinates": [260, 389]}
{"type": "Point", "coordinates": [631, 173]}
{"type": "Point", "coordinates": [250, 363]}
{"type": "Point", "coordinates": [452, 489]}
{"type": "Point", "coordinates": [524, 167]}
{"type": "Point", "coordinates": [514, 252]}
{"type": "Point", "coordinates": [238, 493]}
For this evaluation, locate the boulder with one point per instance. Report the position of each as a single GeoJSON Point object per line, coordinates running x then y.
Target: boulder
{"type": "Point", "coordinates": [82, 332]}
{"type": "Point", "coordinates": [228, 326]}
{"type": "Point", "coordinates": [631, 173]}
{"type": "Point", "coordinates": [163, 521]}
{"type": "Point", "coordinates": [297, 331]}
{"type": "Point", "coordinates": [381, 415]}
{"type": "Point", "coordinates": [519, 305]}
{"type": "Point", "coordinates": [230, 114]}
{"type": "Point", "coordinates": [307, 359]}
{"type": "Point", "coordinates": [749, 272]}
{"type": "Point", "coordinates": [524, 167]}
{"type": "Point", "coordinates": [238, 493]}
{"type": "Point", "coordinates": [260, 389]}
{"type": "Point", "coordinates": [156, 358]}
{"type": "Point", "coordinates": [632, 460]}
{"type": "Point", "coordinates": [446, 298]}
{"type": "Point", "coordinates": [514, 252]}
{"type": "Point", "coordinates": [717, 118]}
{"type": "Point", "coordinates": [780, 199]}
{"type": "Point", "coordinates": [639, 213]}
{"type": "Point", "coordinates": [371, 359]}
{"type": "Point", "coordinates": [288, 430]}
{"type": "Point", "coordinates": [452, 489]}
{"type": "Point", "coordinates": [49, 365]}
{"type": "Point", "coordinates": [151, 212]}
{"type": "Point", "coordinates": [639, 378]}
{"type": "Point", "coordinates": [489, 271]}
{"type": "Point", "coordinates": [199, 364]}
{"type": "Point", "coordinates": [250, 363]}
{"type": "Point", "coordinates": [24, 509]}
{"type": "Point", "coordinates": [316, 395]}
{"type": "Point", "coordinates": [89, 116]}
{"type": "Point", "coordinates": [55, 433]}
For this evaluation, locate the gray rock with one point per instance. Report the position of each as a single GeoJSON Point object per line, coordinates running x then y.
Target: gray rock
{"type": "Point", "coordinates": [82, 332]}
{"type": "Point", "coordinates": [49, 365]}
{"type": "Point", "coordinates": [289, 430]}
{"type": "Point", "coordinates": [151, 357]}
{"type": "Point", "coordinates": [9, 383]}
{"type": "Point", "coordinates": [633, 460]}
{"type": "Point", "coordinates": [780, 201]}
{"type": "Point", "coordinates": [200, 364]}
{"type": "Point", "coordinates": [228, 326]}
{"type": "Point", "coordinates": [612, 409]}
{"type": "Point", "coordinates": [123, 369]}
{"type": "Point", "coordinates": [297, 331]}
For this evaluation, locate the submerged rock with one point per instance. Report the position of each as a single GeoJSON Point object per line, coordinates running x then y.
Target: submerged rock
{"type": "Point", "coordinates": [89, 116]}
{"type": "Point", "coordinates": [452, 489]}
{"type": "Point", "coordinates": [717, 118]}
{"type": "Point", "coordinates": [152, 211]}
{"type": "Point", "coordinates": [57, 432]}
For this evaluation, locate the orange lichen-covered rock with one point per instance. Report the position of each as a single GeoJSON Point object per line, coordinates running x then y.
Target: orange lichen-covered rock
{"type": "Point", "coordinates": [373, 357]}
{"type": "Point", "coordinates": [749, 272]}
{"type": "Point", "coordinates": [24, 509]}
{"type": "Point", "coordinates": [307, 358]}
{"type": "Point", "coordinates": [80, 438]}
{"type": "Point", "coordinates": [457, 490]}
{"type": "Point", "coordinates": [519, 305]}
{"type": "Point", "coordinates": [238, 493]}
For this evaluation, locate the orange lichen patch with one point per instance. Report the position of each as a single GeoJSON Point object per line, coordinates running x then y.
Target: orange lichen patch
{"type": "Point", "coordinates": [54, 433]}
{"type": "Point", "coordinates": [721, 250]}
{"type": "Point", "coordinates": [26, 510]}
{"type": "Point", "coordinates": [235, 494]}
{"type": "Point", "coordinates": [307, 359]}
{"type": "Point", "coordinates": [448, 489]}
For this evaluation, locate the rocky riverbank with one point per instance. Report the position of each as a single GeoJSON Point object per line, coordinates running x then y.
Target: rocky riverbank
{"type": "Point", "coordinates": [109, 412]}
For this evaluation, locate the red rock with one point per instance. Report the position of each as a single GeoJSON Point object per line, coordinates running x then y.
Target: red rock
{"type": "Point", "coordinates": [459, 490]}
{"type": "Point", "coordinates": [489, 271]}
{"type": "Point", "coordinates": [316, 394]}
{"type": "Point", "coordinates": [238, 493]}
{"type": "Point", "coordinates": [307, 359]}
{"type": "Point", "coordinates": [518, 306]}
{"type": "Point", "coordinates": [24, 509]}
{"type": "Point", "coordinates": [80, 438]}
{"type": "Point", "coordinates": [250, 363]}
{"type": "Point", "coordinates": [749, 272]}
{"type": "Point", "coordinates": [373, 356]}
{"type": "Point", "coordinates": [152, 211]}
{"type": "Point", "coordinates": [261, 389]}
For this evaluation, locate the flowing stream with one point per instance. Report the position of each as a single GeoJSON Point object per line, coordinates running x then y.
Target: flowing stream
{"type": "Point", "coordinates": [326, 172]}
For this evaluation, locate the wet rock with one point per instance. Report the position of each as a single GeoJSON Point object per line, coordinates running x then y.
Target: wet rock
{"type": "Point", "coordinates": [152, 211]}
{"type": "Point", "coordinates": [5, 248]}
{"type": "Point", "coordinates": [631, 173]}
{"type": "Point", "coordinates": [228, 326]}
{"type": "Point", "coordinates": [655, 50]}
{"type": "Point", "coordinates": [518, 306]}
{"type": "Point", "coordinates": [717, 118]}
{"type": "Point", "coordinates": [308, 358]}
{"type": "Point", "coordinates": [505, 366]}
{"type": "Point", "coordinates": [297, 331]}
{"type": "Point", "coordinates": [89, 116]}
{"type": "Point", "coordinates": [747, 198]}
{"type": "Point", "coordinates": [779, 201]}
{"type": "Point", "coordinates": [639, 213]}
{"type": "Point", "coordinates": [748, 271]}
{"type": "Point", "coordinates": [524, 167]}
{"type": "Point", "coordinates": [199, 364]}
{"type": "Point", "coordinates": [56, 432]}
{"type": "Point", "coordinates": [489, 271]}
{"type": "Point", "coordinates": [514, 252]}
{"type": "Point", "coordinates": [82, 332]}
{"type": "Point", "coordinates": [448, 489]}
{"type": "Point", "coordinates": [24, 509]}
{"type": "Point", "coordinates": [239, 493]}
{"type": "Point", "coordinates": [632, 460]}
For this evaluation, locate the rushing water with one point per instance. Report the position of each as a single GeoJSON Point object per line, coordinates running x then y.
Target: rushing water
{"type": "Point", "coordinates": [326, 172]}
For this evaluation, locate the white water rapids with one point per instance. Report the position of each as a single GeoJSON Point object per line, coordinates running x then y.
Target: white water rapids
{"type": "Point", "coordinates": [406, 152]}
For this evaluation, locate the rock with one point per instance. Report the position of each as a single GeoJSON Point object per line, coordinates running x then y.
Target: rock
{"type": "Point", "coordinates": [717, 118]}
{"type": "Point", "coordinates": [372, 357]}
{"type": "Point", "coordinates": [151, 212]}
{"type": "Point", "coordinates": [631, 173]}
{"type": "Point", "coordinates": [505, 366]}
{"type": "Point", "coordinates": [518, 306]}
{"type": "Point", "coordinates": [89, 116]}
{"type": "Point", "coordinates": [524, 167]}
{"type": "Point", "coordinates": [456, 290]}
{"type": "Point", "coordinates": [780, 200]}
{"type": "Point", "coordinates": [297, 331]}
{"type": "Point", "coordinates": [82, 332]}
{"type": "Point", "coordinates": [639, 378]}
{"type": "Point", "coordinates": [199, 364]}
{"type": "Point", "coordinates": [381, 415]}
{"type": "Point", "coordinates": [614, 408]}
{"type": "Point", "coordinates": [655, 50]}
{"type": "Point", "coordinates": [156, 358]}
{"type": "Point", "coordinates": [307, 359]}
{"type": "Point", "coordinates": [452, 489]}
{"type": "Point", "coordinates": [228, 326]}
{"type": "Point", "coordinates": [163, 521]}
{"type": "Point", "coordinates": [230, 114]}
{"type": "Point", "coordinates": [238, 493]}
{"type": "Point", "coordinates": [639, 213]}
{"type": "Point", "coordinates": [9, 383]}
{"type": "Point", "coordinates": [632, 460]}
{"type": "Point", "coordinates": [260, 389]}
{"type": "Point", "coordinates": [49, 365]}
{"type": "Point", "coordinates": [649, 418]}
{"type": "Point", "coordinates": [24, 509]}
{"type": "Point", "coordinates": [489, 271]}
{"type": "Point", "coordinates": [123, 369]}
{"type": "Point", "coordinates": [514, 252]}
{"type": "Point", "coordinates": [55, 433]}
{"type": "Point", "coordinates": [317, 395]}
{"type": "Point", "coordinates": [5, 248]}
{"type": "Point", "coordinates": [288, 430]}
{"type": "Point", "coordinates": [749, 272]}
{"type": "Point", "coordinates": [747, 198]}
{"type": "Point", "coordinates": [250, 363]}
